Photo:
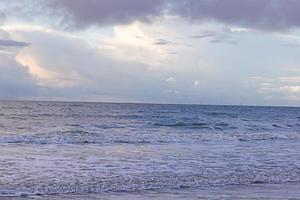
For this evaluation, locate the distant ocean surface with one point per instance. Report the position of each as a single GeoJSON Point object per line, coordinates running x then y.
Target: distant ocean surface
{"type": "Point", "coordinates": [60, 150]}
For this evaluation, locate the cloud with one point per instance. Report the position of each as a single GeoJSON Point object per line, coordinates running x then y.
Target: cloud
{"type": "Point", "coordinates": [293, 79]}
{"type": "Point", "coordinates": [15, 81]}
{"type": "Point", "coordinates": [2, 18]}
{"type": "Point", "coordinates": [284, 88]}
{"type": "Point", "coordinates": [267, 15]}
{"type": "Point", "coordinates": [221, 36]}
{"type": "Point", "coordinates": [257, 14]}
{"type": "Point", "coordinates": [104, 12]}
{"type": "Point", "coordinates": [172, 92]}
{"type": "Point", "coordinates": [224, 41]}
{"type": "Point", "coordinates": [293, 45]}
{"type": "Point", "coordinates": [162, 42]}
{"type": "Point", "coordinates": [290, 89]}
{"type": "Point", "coordinates": [204, 35]}
{"type": "Point", "coordinates": [171, 80]}
{"type": "Point", "coordinates": [196, 83]}
{"type": "Point", "coordinates": [76, 69]}
{"type": "Point", "coordinates": [139, 61]}
{"type": "Point", "coordinates": [13, 43]}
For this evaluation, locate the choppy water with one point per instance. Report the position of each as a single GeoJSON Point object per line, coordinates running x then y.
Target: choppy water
{"type": "Point", "coordinates": [51, 149]}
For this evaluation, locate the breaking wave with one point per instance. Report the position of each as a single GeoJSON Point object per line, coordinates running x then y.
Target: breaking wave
{"type": "Point", "coordinates": [167, 180]}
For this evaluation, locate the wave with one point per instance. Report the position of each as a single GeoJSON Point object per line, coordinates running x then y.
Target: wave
{"type": "Point", "coordinates": [197, 125]}
{"type": "Point", "coordinates": [66, 137]}
{"type": "Point", "coordinates": [88, 185]}
{"type": "Point", "coordinates": [200, 125]}
{"type": "Point", "coordinates": [109, 138]}
{"type": "Point", "coordinates": [221, 114]}
{"type": "Point", "coordinates": [223, 126]}
{"type": "Point", "coordinates": [75, 137]}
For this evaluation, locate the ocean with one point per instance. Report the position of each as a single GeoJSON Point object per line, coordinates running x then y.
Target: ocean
{"type": "Point", "coordinates": [67, 150]}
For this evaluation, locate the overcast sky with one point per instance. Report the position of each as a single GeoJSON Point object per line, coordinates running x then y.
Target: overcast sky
{"type": "Point", "coordinates": [244, 52]}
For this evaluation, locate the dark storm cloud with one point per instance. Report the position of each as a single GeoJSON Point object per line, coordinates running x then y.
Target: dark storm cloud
{"type": "Point", "coordinates": [12, 43]}
{"type": "Point", "coordinates": [102, 12]}
{"type": "Point", "coordinates": [258, 14]}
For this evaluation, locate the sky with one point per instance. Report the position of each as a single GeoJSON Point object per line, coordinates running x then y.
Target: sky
{"type": "Point", "coordinates": [241, 52]}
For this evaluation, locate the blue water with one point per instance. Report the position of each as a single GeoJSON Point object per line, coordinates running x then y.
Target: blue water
{"type": "Point", "coordinates": [127, 151]}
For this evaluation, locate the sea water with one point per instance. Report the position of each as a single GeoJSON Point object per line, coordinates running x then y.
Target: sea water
{"type": "Point", "coordinates": [61, 150]}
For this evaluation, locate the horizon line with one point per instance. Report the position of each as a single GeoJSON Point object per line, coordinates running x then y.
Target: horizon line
{"type": "Point", "coordinates": [148, 103]}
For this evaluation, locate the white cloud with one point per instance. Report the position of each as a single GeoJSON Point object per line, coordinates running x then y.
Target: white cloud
{"type": "Point", "coordinates": [171, 80]}
{"type": "Point", "coordinates": [15, 79]}
{"type": "Point", "coordinates": [175, 92]}
{"type": "Point", "coordinates": [284, 88]}
{"type": "Point", "coordinates": [75, 68]}
{"type": "Point", "coordinates": [196, 83]}
{"type": "Point", "coordinates": [290, 89]}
